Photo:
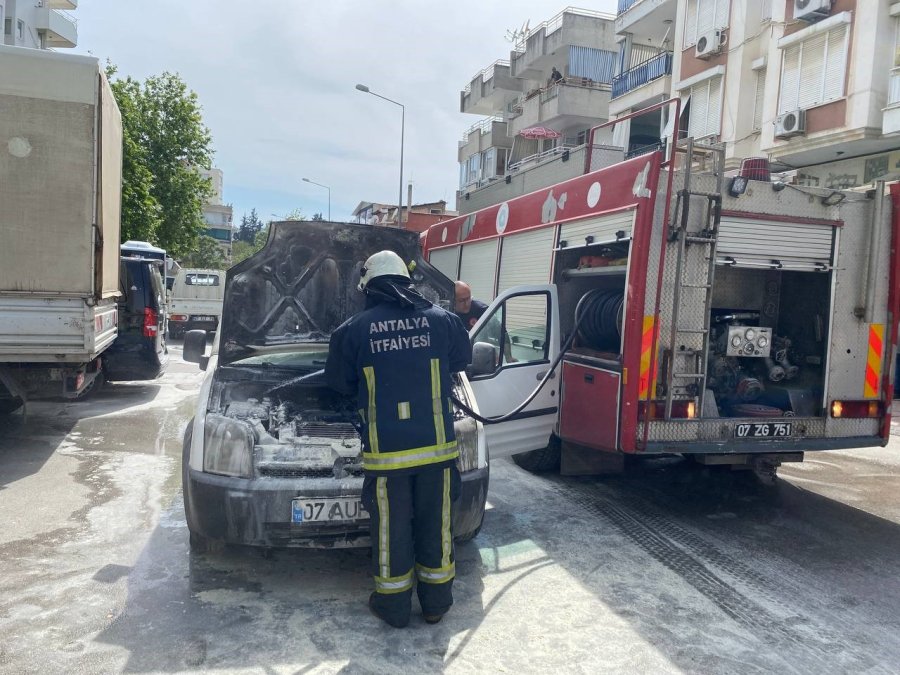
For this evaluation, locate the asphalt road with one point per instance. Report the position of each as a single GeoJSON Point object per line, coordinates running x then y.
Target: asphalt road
{"type": "Point", "coordinates": [669, 568]}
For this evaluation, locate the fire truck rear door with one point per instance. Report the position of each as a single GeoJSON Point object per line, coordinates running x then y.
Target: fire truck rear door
{"type": "Point", "coordinates": [517, 339]}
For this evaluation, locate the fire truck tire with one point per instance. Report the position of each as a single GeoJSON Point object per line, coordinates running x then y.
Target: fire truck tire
{"type": "Point", "coordinates": [540, 461]}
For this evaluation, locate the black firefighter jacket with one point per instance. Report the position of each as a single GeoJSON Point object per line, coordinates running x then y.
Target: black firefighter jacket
{"type": "Point", "coordinates": [398, 361]}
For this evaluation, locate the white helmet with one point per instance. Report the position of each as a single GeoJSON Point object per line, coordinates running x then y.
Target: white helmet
{"type": "Point", "coordinates": [382, 264]}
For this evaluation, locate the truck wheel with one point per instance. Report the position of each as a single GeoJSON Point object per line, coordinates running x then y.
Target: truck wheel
{"type": "Point", "coordinates": [543, 460]}
{"type": "Point", "coordinates": [93, 386]}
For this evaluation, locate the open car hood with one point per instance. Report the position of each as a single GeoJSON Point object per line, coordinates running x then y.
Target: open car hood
{"type": "Point", "coordinates": [302, 284]}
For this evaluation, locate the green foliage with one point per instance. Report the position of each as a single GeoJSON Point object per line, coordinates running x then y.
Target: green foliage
{"type": "Point", "coordinates": [208, 254]}
{"type": "Point", "coordinates": [250, 226]}
{"type": "Point", "coordinates": [165, 145]}
{"type": "Point", "coordinates": [241, 250]}
{"type": "Point", "coordinates": [296, 214]}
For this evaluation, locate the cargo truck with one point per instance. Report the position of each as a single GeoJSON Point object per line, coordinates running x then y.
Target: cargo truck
{"type": "Point", "coordinates": [60, 193]}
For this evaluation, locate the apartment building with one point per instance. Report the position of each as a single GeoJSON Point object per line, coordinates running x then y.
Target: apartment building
{"type": "Point", "coordinates": [417, 217]}
{"type": "Point", "coordinates": [39, 24]}
{"type": "Point", "coordinates": [218, 215]}
{"type": "Point", "coordinates": [814, 85]}
{"type": "Point", "coordinates": [535, 124]}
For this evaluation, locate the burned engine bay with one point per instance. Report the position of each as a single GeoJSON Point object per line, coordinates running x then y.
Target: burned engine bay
{"type": "Point", "coordinates": [299, 429]}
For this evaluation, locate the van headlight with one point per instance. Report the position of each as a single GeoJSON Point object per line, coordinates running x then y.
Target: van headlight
{"type": "Point", "coordinates": [227, 447]}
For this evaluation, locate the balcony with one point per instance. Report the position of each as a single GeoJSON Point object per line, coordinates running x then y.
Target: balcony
{"type": "Point", "coordinates": [59, 29]}
{"type": "Point", "coordinates": [61, 4]}
{"type": "Point", "coordinates": [537, 50]}
{"type": "Point", "coordinates": [641, 74]}
{"type": "Point", "coordinates": [648, 21]}
{"type": "Point", "coordinates": [490, 90]}
{"type": "Point", "coordinates": [489, 133]}
{"type": "Point", "coordinates": [576, 101]}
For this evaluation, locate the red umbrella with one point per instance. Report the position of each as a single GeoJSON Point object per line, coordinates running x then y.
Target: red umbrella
{"type": "Point", "coordinates": [539, 132]}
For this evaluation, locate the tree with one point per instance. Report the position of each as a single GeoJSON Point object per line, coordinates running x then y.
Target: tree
{"type": "Point", "coordinates": [317, 217]}
{"type": "Point", "coordinates": [296, 214]}
{"type": "Point", "coordinates": [241, 250]}
{"type": "Point", "coordinates": [208, 254]}
{"type": "Point", "coordinates": [249, 228]}
{"type": "Point", "coordinates": [165, 145]}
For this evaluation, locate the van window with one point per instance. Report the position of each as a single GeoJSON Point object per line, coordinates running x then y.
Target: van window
{"type": "Point", "coordinates": [201, 279]}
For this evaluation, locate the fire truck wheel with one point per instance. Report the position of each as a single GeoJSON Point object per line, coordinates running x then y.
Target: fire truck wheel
{"type": "Point", "coordinates": [539, 461]}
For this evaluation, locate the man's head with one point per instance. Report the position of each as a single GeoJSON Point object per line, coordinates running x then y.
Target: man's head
{"type": "Point", "coordinates": [383, 264]}
{"type": "Point", "coordinates": [463, 297]}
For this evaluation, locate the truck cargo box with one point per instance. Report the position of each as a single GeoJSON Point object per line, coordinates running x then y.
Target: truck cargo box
{"type": "Point", "coordinates": [60, 176]}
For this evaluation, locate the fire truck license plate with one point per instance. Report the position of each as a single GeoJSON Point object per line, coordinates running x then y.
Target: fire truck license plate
{"type": "Point", "coordinates": [327, 510]}
{"type": "Point", "coordinates": [769, 430]}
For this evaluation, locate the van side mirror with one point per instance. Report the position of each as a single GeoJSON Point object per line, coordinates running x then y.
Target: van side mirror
{"type": "Point", "coordinates": [484, 359]}
{"type": "Point", "coordinates": [195, 348]}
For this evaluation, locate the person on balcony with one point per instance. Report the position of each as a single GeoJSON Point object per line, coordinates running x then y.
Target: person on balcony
{"type": "Point", "coordinates": [556, 76]}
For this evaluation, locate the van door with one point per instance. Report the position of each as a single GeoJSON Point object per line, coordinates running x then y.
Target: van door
{"type": "Point", "coordinates": [513, 344]}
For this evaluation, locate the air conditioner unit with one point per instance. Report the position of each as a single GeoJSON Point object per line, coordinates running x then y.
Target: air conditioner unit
{"type": "Point", "coordinates": [709, 44]}
{"type": "Point", "coordinates": [811, 10]}
{"type": "Point", "coordinates": [790, 124]}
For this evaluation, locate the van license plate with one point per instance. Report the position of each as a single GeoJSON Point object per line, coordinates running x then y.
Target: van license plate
{"type": "Point", "coordinates": [327, 510]}
{"type": "Point", "coordinates": [767, 430]}
{"type": "Point", "coordinates": [204, 317]}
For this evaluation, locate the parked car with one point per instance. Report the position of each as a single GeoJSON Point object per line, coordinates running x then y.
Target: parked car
{"type": "Point", "coordinates": [196, 301]}
{"type": "Point", "coordinates": [273, 456]}
{"type": "Point", "coordinates": [139, 352]}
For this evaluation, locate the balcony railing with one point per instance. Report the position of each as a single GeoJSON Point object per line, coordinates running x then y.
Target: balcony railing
{"type": "Point", "coordinates": [554, 24]}
{"type": "Point", "coordinates": [641, 74]}
{"type": "Point", "coordinates": [625, 5]}
{"type": "Point", "coordinates": [486, 73]}
{"type": "Point", "coordinates": [484, 127]}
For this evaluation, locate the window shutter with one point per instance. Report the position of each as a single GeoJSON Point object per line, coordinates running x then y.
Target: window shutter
{"type": "Point", "coordinates": [706, 16]}
{"type": "Point", "coordinates": [714, 112]}
{"type": "Point", "coordinates": [699, 110]}
{"type": "Point", "coordinates": [835, 64]}
{"type": "Point", "coordinates": [760, 96]}
{"type": "Point", "coordinates": [812, 71]}
{"type": "Point", "coordinates": [722, 7]}
{"type": "Point", "coordinates": [690, 23]}
{"type": "Point", "coordinates": [790, 79]}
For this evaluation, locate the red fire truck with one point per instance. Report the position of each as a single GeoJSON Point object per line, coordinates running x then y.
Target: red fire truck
{"type": "Point", "coordinates": [743, 322]}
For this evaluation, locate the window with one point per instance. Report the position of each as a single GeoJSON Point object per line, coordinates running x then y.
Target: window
{"type": "Point", "coordinates": [20, 30]}
{"type": "Point", "coordinates": [813, 71]}
{"type": "Point", "coordinates": [490, 163]}
{"type": "Point", "coordinates": [7, 26]}
{"type": "Point", "coordinates": [703, 16]}
{"type": "Point", "coordinates": [894, 89]}
{"type": "Point", "coordinates": [517, 331]}
{"type": "Point", "coordinates": [706, 108]}
{"type": "Point", "coordinates": [760, 95]}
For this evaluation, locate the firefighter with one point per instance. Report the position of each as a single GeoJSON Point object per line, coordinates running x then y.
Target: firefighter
{"type": "Point", "coordinates": [397, 355]}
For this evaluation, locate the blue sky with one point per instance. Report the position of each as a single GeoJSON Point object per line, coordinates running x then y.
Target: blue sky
{"type": "Point", "coordinates": [276, 80]}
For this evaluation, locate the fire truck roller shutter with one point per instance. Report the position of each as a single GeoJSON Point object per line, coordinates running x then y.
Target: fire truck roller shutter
{"type": "Point", "coordinates": [753, 242]}
{"type": "Point", "coordinates": [446, 260]}
{"type": "Point", "coordinates": [601, 230]}
{"type": "Point", "coordinates": [526, 259]}
{"type": "Point", "coordinates": [478, 268]}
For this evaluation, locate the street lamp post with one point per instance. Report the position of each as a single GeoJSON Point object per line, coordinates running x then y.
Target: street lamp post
{"type": "Point", "coordinates": [363, 88]}
{"type": "Point", "coordinates": [312, 182]}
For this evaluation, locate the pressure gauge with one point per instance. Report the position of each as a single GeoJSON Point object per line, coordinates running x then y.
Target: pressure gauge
{"type": "Point", "coordinates": [763, 341]}
{"type": "Point", "coordinates": [736, 341]}
{"type": "Point", "coordinates": [750, 334]}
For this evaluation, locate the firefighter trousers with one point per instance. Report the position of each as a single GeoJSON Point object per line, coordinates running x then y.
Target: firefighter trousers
{"type": "Point", "coordinates": [412, 540]}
